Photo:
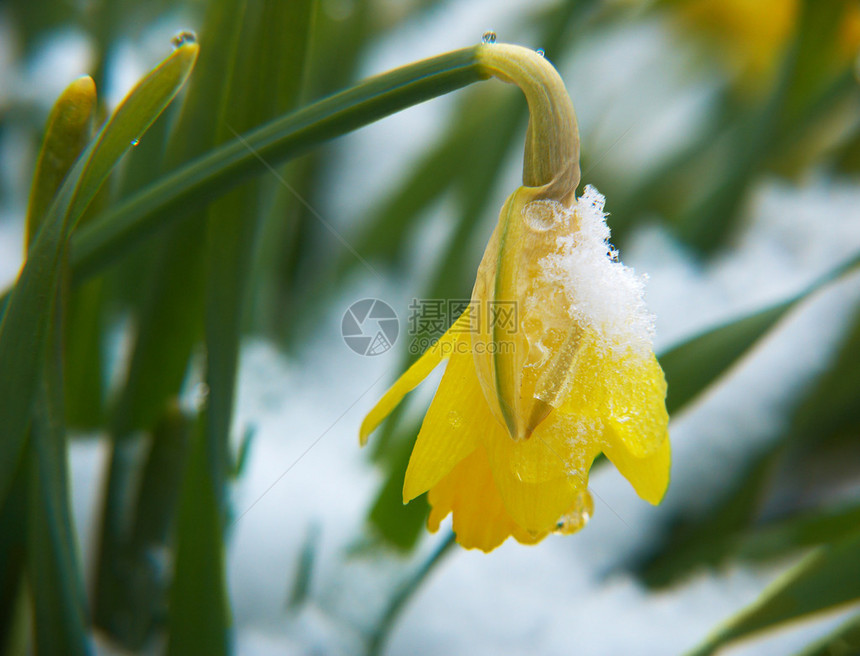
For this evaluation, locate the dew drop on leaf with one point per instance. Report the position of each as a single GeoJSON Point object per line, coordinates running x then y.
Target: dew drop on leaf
{"type": "Point", "coordinates": [183, 37]}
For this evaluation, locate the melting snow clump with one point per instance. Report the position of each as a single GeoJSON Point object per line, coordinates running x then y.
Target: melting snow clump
{"type": "Point", "coordinates": [604, 294]}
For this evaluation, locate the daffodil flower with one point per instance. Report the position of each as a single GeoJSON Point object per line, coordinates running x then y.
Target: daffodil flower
{"type": "Point", "coordinates": [525, 405]}
{"type": "Point", "coordinates": [753, 35]}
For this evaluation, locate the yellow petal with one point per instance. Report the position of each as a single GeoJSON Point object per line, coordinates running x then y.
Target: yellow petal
{"type": "Point", "coordinates": [540, 479]}
{"type": "Point", "coordinates": [648, 475]}
{"type": "Point", "coordinates": [449, 433]}
{"type": "Point", "coordinates": [480, 518]}
{"type": "Point", "coordinates": [419, 370]}
{"type": "Point", "coordinates": [636, 406]}
{"type": "Point", "coordinates": [626, 389]}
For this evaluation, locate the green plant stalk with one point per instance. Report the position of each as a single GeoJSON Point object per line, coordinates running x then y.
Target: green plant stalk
{"type": "Point", "coordinates": [118, 229]}
{"type": "Point", "coordinates": [213, 174]}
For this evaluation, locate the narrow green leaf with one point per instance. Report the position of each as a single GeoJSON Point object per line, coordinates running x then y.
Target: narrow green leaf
{"type": "Point", "coordinates": [213, 174]}
{"type": "Point", "coordinates": [398, 524]}
{"type": "Point", "coordinates": [67, 133]}
{"type": "Point", "coordinates": [199, 613]}
{"type": "Point", "coordinates": [301, 587]}
{"type": "Point", "coordinates": [274, 36]}
{"type": "Point", "coordinates": [827, 578]}
{"type": "Point", "coordinates": [696, 363]}
{"type": "Point", "coordinates": [169, 321]}
{"type": "Point", "coordinates": [804, 530]}
{"type": "Point", "coordinates": [845, 641]}
{"type": "Point", "coordinates": [137, 586]}
{"type": "Point", "coordinates": [13, 549]}
{"type": "Point", "coordinates": [83, 344]}
{"type": "Point", "coordinates": [30, 307]}
{"type": "Point", "coordinates": [54, 576]}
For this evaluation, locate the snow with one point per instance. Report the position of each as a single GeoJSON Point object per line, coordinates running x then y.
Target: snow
{"type": "Point", "coordinates": [605, 296]}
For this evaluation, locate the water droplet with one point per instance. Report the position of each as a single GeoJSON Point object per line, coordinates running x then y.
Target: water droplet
{"type": "Point", "coordinates": [540, 51]}
{"type": "Point", "coordinates": [455, 419]}
{"type": "Point", "coordinates": [577, 517]}
{"type": "Point", "coordinates": [183, 37]}
{"type": "Point", "coordinates": [488, 37]}
{"type": "Point", "coordinates": [135, 141]}
{"type": "Point", "coordinates": [541, 215]}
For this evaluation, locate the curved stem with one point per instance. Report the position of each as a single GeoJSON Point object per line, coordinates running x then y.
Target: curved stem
{"type": "Point", "coordinates": [552, 141]}
{"type": "Point", "coordinates": [405, 593]}
{"type": "Point", "coordinates": [551, 154]}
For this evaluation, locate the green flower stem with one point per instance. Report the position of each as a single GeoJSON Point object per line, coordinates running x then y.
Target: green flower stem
{"type": "Point", "coordinates": [551, 157]}
{"type": "Point", "coordinates": [200, 181]}
{"type": "Point", "coordinates": [109, 235]}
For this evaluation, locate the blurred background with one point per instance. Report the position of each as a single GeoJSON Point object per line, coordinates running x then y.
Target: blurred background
{"type": "Point", "coordinates": [725, 135]}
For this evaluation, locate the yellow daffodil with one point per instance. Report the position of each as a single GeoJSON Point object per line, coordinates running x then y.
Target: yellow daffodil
{"type": "Point", "coordinates": [552, 363]}
{"type": "Point", "coordinates": [752, 36]}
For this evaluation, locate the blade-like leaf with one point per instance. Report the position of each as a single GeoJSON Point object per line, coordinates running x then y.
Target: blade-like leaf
{"type": "Point", "coordinates": [59, 603]}
{"type": "Point", "coordinates": [199, 614]}
{"type": "Point", "coordinates": [66, 135]}
{"type": "Point", "coordinates": [30, 307]}
{"type": "Point", "coordinates": [698, 362]}
{"type": "Point", "coordinates": [845, 641]}
{"type": "Point", "coordinates": [827, 578]}
{"type": "Point", "coordinates": [275, 36]}
{"type": "Point", "coordinates": [168, 322]}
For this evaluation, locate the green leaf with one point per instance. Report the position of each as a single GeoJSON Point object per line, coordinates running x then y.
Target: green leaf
{"type": "Point", "coordinates": [274, 37]}
{"type": "Point", "coordinates": [199, 613]}
{"type": "Point", "coordinates": [398, 524]}
{"type": "Point", "coordinates": [697, 363]}
{"type": "Point", "coordinates": [301, 587]}
{"type": "Point", "coordinates": [83, 346]}
{"type": "Point", "coordinates": [803, 530]}
{"type": "Point", "coordinates": [53, 571]}
{"type": "Point", "coordinates": [30, 306]}
{"type": "Point", "coordinates": [67, 133]}
{"type": "Point", "coordinates": [168, 323]}
{"type": "Point", "coordinates": [845, 641]}
{"type": "Point", "coordinates": [13, 548]}
{"type": "Point", "coordinates": [56, 585]}
{"type": "Point", "coordinates": [209, 176]}
{"type": "Point", "coordinates": [827, 578]}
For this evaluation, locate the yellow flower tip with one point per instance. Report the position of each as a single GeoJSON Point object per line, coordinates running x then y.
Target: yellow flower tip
{"type": "Point", "coordinates": [367, 427]}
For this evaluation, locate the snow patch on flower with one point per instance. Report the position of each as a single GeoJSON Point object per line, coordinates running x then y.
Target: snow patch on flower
{"type": "Point", "coordinates": [603, 294]}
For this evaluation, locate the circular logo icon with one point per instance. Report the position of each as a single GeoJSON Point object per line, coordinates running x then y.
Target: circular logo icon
{"type": "Point", "coordinates": [370, 327]}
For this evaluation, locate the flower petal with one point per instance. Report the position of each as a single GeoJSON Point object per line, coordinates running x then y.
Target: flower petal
{"type": "Point", "coordinates": [540, 479]}
{"type": "Point", "coordinates": [649, 475]}
{"type": "Point", "coordinates": [636, 406]}
{"type": "Point", "coordinates": [419, 370]}
{"type": "Point", "coordinates": [626, 389]}
{"type": "Point", "coordinates": [481, 520]}
{"type": "Point", "coordinates": [457, 415]}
